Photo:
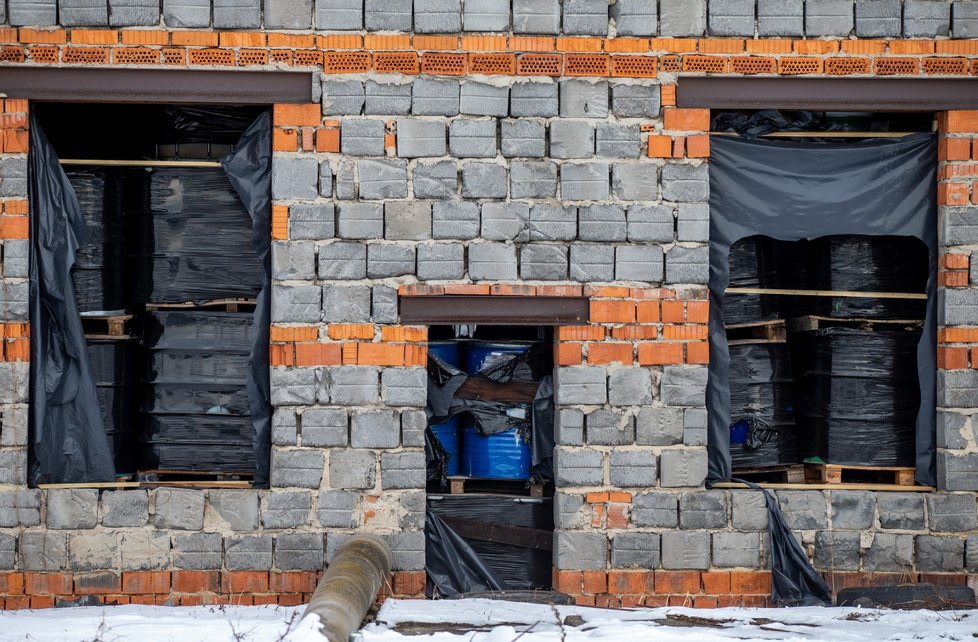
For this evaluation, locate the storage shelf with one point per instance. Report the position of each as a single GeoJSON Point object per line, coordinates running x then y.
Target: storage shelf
{"type": "Point", "coordinates": [829, 293]}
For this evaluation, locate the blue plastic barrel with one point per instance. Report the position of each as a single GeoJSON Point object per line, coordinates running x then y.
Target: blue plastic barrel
{"type": "Point", "coordinates": [448, 351]}
{"type": "Point", "coordinates": [484, 354]}
{"type": "Point", "coordinates": [500, 456]}
{"type": "Point", "coordinates": [450, 436]}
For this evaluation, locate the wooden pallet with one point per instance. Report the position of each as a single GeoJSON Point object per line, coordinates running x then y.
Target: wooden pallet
{"type": "Point", "coordinates": [168, 477]}
{"type": "Point", "coordinates": [811, 322]}
{"type": "Point", "coordinates": [460, 485]}
{"type": "Point", "coordinates": [106, 326]}
{"type": "Point", "coordinates": [217, 305]}
{"type": "Point", "coordinates": [770, 331]}
{"type": "Point", "coordinates": [846, 474]}
{"type": "Point", "coordinates": [781, 474]}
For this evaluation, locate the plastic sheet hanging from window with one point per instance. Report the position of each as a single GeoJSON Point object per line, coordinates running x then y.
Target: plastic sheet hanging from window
{"type": "Point", "coordinates": [793, 191]}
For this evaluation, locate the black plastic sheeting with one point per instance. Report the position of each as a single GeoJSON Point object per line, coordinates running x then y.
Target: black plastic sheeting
{"type": "Point", "coordinates": [857, 395]}
{"type": "Point", "coordinates": [98, 274]}
{"type": "Point", "coordinates": [761, 393]}
{"type": "Point", "coordinates": [752, 265]}
{"type": "Point", "coordinates": [791, 191]}
{"type": "Point", "coordinates": [487, 565]}
{"type": "Point", "coordinates": [116, 366]}
{"type": "Point", "coordinates": [68, 442]}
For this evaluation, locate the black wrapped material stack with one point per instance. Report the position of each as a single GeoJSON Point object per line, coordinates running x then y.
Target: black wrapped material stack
{"type": "Point", "coordinates": [761, 393]}
{"type": "Point", "coordinates": [196, 243]}
{"type": "Point", "coordinates": [118, 372]}
{"type": "Point", "coordinates": [98, 274]}
{"type": "Point", "coordinates": [518, 567]}
{"type": "Point", "coordinates": [196, 404]}
{"type": "Point", "coordinates": [857, 395]}
{"type": "Point", "coordinates": [752, 265]}
{"type": "Point", "coordinates": [871, 264]}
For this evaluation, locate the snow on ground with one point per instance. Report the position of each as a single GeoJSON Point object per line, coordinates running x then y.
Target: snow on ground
{"type": "Point", "coordinates": [479, 620]}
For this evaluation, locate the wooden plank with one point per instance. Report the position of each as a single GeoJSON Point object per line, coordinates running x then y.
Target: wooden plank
{"type": "Point", "coordinates": [195, 484]}
{"type": "Point", "coordinates": [793, 486]}
{"type": "Point", "coordinates": [478, 387]}
{"type": "Point", "coordinates": [127, 484]}
{"type": "Point", "coordinates": [786, 473]}
{"type": "Point", "coordinates": [833, 293]}
{"type": "Point", "coordinates": [752, 324]}
{"type": "Point", "coordinates": [501, 533]}
{"type": "Point", "coordinates": [138, 163]}
{"type": "Point", "coordinates": [744, 342]}
{"type": "Point", "coordinates": [902, 476]}
{"type": "Point", "coordinates": [812, 322]}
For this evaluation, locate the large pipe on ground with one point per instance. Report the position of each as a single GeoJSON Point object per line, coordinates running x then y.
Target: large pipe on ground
{"type": "Point", "coordinates": [349, 586]}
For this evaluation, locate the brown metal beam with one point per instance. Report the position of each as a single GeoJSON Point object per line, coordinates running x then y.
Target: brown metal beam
{"type": "Point", "coordinates": [494, 310]}
{"type": "Point", "coordinates": [828, 94]}
{"type": "Point", "coordinates": [156, 85]}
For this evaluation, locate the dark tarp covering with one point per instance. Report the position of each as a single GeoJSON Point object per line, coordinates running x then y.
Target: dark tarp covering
{"type": "Point", "coordinates": [451, 564]}
{"type": "Point", "coordinates": [67, 436]}
{"type": "Point", "coordinates": [790, 191]}
{"type": "Point", "coordinates": [249, 168]}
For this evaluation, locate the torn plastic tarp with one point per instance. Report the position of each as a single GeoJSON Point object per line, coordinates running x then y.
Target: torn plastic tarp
{"type": "Point", "coordinates": [793, 580]}
{"type": "Point", "coordinates": [249, 168]}
{"type": "Point", "coordinates": [68, 443]}
{"type": "Point", "coordinates": [451, 564]}
{"type": "Point", "coordinates": [790, 191]}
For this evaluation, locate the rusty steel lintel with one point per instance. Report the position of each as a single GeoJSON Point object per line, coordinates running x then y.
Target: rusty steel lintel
{"type": "Point", "coordinates": [156, 85]}
{"type": "Point", "coordinates": [494, 310]}
{"type": "Point", "coordinates": [828, 94]}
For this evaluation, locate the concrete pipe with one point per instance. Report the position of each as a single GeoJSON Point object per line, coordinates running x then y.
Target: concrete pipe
{"type": "Point", "coordinates": [349, 586]}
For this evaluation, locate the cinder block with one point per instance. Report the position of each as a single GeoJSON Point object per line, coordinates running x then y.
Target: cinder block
{"type": "Point", "coordinates": [286, 510]}
{"type": "Point", "coordinates": [346, 180]}
{"type": "Point", "coordinates": [388, 15]}
{"type": "Point", "coordinates": [639, 263]}
{"type": "Point", "coordinates": [237, 14]}
{"type": "Point", "coordinates": [586, 17]}
{"type": "Point", "coordinates": [16, 261]}
{"type": "Point", "coordinates": [122, 13]}
{"type": "Point", "coordinates": [455, 220]}
{"type": "Point", "coordinates": [659, 426]}
{"type": "Point", "coordinates": [408, 550]}
{"type": "Point", "coordinates": [748, 510]}
{"type": "Point", "coordinates": [837, 550]}
{"type": "Point", "coordinates": [683, 386]}
{"type": "Point", "coordinates": [533, 98]}
{"type": "Point", "coordinates": [404, 469]}
{"type": "Point", "coordinates": [198, 551]}
{"type": "Point", "coordinates": [492, 262]}
{"type": "Point", "coordinates": [95, 13]}
{"type": "Point", "coordinates": [363, 137]}
{"type": "Point", "coordinates": [780, 18]}
{"type": "Point", "coordinates": [584, 181]}
{"type": "Point", "coordinates": [407, 221]}
{"type": "Point", "coordinates": [571, 139]}
{"type": "Point", "coordinates": [285, 430]}
{"type": "Point", "coordinates": [685, 183]}
{"type": "Point", "coordinates": [389, 259]}
{"type": "Point", "coordinates": [957, 472]}
{"type": "Point", "coordinates": [435, 180]}
{"type": "Point", "coordinates": [441, 261]}
{"type": "Point", "coordinates": [472, 138]}
{"type": "Point", "coordinates": [179, 509]}
{"type": "Point", "coordinates": [693, 222]}
{"type": "Point", "coordinates": [939, 554]}
{"type": "Point", "coordinates": [413, 425]}
{"type": "Point", "coordinates": [120, 508]}
{"type": "Point", "coordinates": [635, 17]}
{"type": "Point", "coordinates": [342, 97]}
{"type": "Point", "coordinates": [13, 426]}
{"type": "Point", "coordinates": [731, 18]}
{"type": "Point", "coordinates": [965, 19]}
{"type": "Point", "coordinates": [420, 138]}
{"type": "Point", "coordinates": [434, 97]}
{"type": "Point", "coordinates": [42, 551]}
{"type": "Point", "coordinates": [248, 552]}
{"type": "Point", "coordinates": [294, 386]}
{"type": "Point", "coordinates": [288, 14]}
{"type": "Point", "coordinates": [325, 428]}
{"type": "Point", "coordinates": [553, 223]}
{"type": "Point", "coordinates": [483, 99]}
{"type": "Point", "coordinates": [804, 509]}
{"type": "Point", "coordinates": [853, 510]}
{"type": "Point", "coordinates": [536, 16]}
{"type": "Point", "coordinates": [609, 427]}
{"type": "Point", "coordinates": [577, 550]}
{"type": "Point", "coordinates": [655, 510]}
{"type": "Point", "coordinates": [380, 179]}
{"type": "Point", "coordinates": [351, 469]}
{"type": "Point", "coordinates": [505, 221]}
{"type": "Point", "coordinates": [387, 98]}
{"type": "Point", "coordinates": [484, 180]}
{"type": "Point", "coordinates": [360, 220]}
{"type": "Point", "coordinates": [633, 468]}
{"type": "Point", "coordinates": [354, 386]}
{"type": "Point", "coordinates": [486, 15]}
{"type": "Point", "coordinates": [567, 510]}
{"type": "Point", "coordinates": [635, 550]}
{"type": "Point", "coordinates": [878, 18]}
{"type": "Point", "coordinates": [296, 468]}
{"type": "Point", "coordinates": [635, 101]}
{"type": "Point", "coordinates": [375, 429]}
{"type": "Point", "coordinates": [637, 182]}
{"type": "Point", "coordinates": [926, 18]}
{"type": "Point", "coordinates": [617, 140]}
{"type": "Point", "coordinates": [828, 17]}
{"type": "Point", "coordinates": [384, 304]}
{"type": "Point", "coordinates": [13, 466]}
{"type": "Point", "coordinates": [339, 15]}
{"type": "Point", "coordinates": [14, 382]}
{"type": "Point", "coordinates": [583, 99]}
{"type": "Point", "coordinates": [903, 511]}
{"type": "Point", "coordinates": [686, 550]}
{"type": "Point", "coordinates": [706, 509]}
{"type": "Point", "coordinates": [41, 13]}
{"type": "Point", "coordinates": [74, 508]}
{"type": "Point", "coordinates": [592, 263]}
{"type": "Point", "coordinates": [523, 138]}
{"type": "Point", "coordinates": [343, 261]}
{"type": "Point", "coordinates": [298, 552]}
{"type": "Point", "coordinates": [293, 260]}
{"type": "Point", "coordinates": [889, 552]}
{"type": "Point", "coordinates": [952, 513]}
{"type": "Point", "coordinates": [237, 508]}
{"type": "Point", "coordinates": [437, 16]}
{"type": "Point", "coordinates": [533, 179]}
{"type": "Point", "coordinates": [13, 176]}
{"type": "Point", "coordinates": [580, 385]}
{"type": "Point", "coordinates": [143, 551]}
{"type": "Point", "coordinates": [91, 551]}
{"type": "Point", "coordinates": [346, 303]}
{"type": "Point", "coordinates": [338, 509]}
{"type": "Point", "coordinates": [682, 17]}
{"type": "Point", "coordinates": [649, 222]}
{"type": "Point", "coordinates": [957, 388]}
{"type": "Point", "coordinates": [629, 387]}
{"type": "Point", "coordinates": [957, 225]}
{"type": "Point", "coordinates": [601, 223]}
{"type": "Point", "coordinates": [737, 550]}
{"type": "Point", "coordinates": [569, 422]}
{"type": "Point", "coordinates": [683, 468]}
{"type": "Point", "coordinates": [687, 265]}
{"type": "Point", "coordinates": [312, 221]}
